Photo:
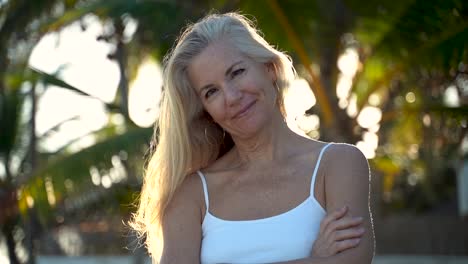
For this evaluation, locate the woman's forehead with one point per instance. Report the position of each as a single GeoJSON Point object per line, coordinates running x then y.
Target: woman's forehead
{"type": "Point", "coordinates": [221, 52]}
{"type": "Point", "coordinates": [213, 62]}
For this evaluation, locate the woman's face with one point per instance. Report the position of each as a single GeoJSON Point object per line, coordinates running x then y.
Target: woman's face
{"type": "Point", "coordinates": [237, 92]}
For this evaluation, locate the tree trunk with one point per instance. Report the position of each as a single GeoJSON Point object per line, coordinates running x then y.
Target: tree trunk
{"type": "Point", "coordinates": [32, 132]}
{"type": "Point", "coordinates": [121, 58]}
{"type": "Point", "coordinates": [338, 16]}
{"type": "Point", "coordinates": [29, 227]}
{"type": "Point", "coordinates": [7, 230]}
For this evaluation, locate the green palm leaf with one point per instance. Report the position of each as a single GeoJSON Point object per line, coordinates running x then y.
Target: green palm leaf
{"type": "Point", "coordinates": [68, 179]}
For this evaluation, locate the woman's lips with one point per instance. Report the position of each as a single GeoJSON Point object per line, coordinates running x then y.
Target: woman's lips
{"type": "Point", "coordinates": [244, 110]}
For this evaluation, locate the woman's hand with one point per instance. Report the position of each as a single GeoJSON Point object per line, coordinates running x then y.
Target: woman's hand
{"type": "Point", "coordinates": [338, 232]}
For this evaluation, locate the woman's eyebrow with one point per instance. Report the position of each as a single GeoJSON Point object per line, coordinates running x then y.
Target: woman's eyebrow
{"type": "Point", "coordinates": [229, 70]}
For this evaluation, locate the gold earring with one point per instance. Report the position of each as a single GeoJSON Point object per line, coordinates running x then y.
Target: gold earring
{"type": "Point", "coordinates": [275, 83]}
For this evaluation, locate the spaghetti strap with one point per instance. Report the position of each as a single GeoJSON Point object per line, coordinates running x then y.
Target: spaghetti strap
{"type": "Point", "coordinates": [317, 165]}
{"type": "Point", "coordinates": [205, 189]}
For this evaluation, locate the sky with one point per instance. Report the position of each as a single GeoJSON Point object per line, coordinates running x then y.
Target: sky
{"type": "Point", "coordinates": [82, 62]}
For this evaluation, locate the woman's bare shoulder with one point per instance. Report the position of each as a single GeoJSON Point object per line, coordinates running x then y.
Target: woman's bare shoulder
{"type": "Point", "coordinates": [310, 146]}
{"type": "Point", "coordinates": [345, 162]}
{"type": "Point", "coordinates": [345, 154]}
{"type": "Point", "coordinates": [189, 195]}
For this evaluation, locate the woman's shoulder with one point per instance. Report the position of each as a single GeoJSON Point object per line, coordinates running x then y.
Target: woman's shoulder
{"type": "Point", "coordinates": [334, 148]}
{"type": "Point", "coordinates": [342, 152]}
{"type": "Point", "coordinates": [342, 160]}
{"type": "Point", "coordinates": [309, 147]}
{"type": "Point", "coordinates": [189, 194]}
{"type": "Point", "coordinates": [192, 185]}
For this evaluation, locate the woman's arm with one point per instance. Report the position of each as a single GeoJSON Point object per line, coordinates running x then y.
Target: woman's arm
{"type": "Point", "coordinates": [347, 183]}
{"type": "Point", "coordinates": [181, 225]}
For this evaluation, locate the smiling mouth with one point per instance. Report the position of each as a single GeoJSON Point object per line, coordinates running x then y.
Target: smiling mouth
{"type": "Point", "coordinates": [244, 111]}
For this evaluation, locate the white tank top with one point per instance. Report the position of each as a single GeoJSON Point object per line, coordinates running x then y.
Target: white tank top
{"type": "Point", "coordinates": [283, 237]}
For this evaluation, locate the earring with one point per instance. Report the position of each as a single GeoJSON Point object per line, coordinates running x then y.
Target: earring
{"type": "Point", "coordinates": [275, 83]}
{"type": "Point", "coordinates": [206, 135]}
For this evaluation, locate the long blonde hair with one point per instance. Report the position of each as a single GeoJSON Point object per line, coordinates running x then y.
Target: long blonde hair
{"type": "Point", "coordinates": [188, 139]}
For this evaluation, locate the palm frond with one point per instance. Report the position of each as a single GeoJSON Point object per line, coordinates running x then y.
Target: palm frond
{"type": "Point", "coordinates": [68, 179]}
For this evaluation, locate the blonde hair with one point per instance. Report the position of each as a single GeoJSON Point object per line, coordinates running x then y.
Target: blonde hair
{"type": "Point", "coordinates": [188, 139]}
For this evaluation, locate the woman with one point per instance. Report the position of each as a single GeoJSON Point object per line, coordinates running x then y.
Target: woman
{"type": "Point", "coordinates": [229, 182]}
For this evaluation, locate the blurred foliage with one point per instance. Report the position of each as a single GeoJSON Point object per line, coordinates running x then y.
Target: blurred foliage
{"type": "Point", "coordinates": [413, 49]}
{"type": "Point", "coordinates": [78, 179]}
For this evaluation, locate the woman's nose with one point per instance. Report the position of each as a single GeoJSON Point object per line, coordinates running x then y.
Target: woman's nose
{"type": "Point", "coordinates": [232, 94]}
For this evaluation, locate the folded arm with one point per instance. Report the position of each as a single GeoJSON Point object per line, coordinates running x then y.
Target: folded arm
{"type": "Point", "coordinates": [347, 183]}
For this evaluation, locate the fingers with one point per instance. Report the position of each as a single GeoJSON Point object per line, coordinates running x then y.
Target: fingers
{"type": "Point", "coordinates": [343, 245]}
{"type": "Point", "coordinates": [344, 223]}
{"type": "Point", "coordinates": [338, 232]}
{"type": "Point", "coordinates": [345, 239]}
{"type": "Point", "coordinates": [338, 227]}
{"type": "Point", "coordinates": [332, 217]}
{"type": "Point", "coordinates": [347, 222]}
{"type": "Point", "coordinates": [348, 234]}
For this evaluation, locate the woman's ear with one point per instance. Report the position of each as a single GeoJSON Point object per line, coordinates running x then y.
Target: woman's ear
{"type": "Point", "coordinates": [271, 70]}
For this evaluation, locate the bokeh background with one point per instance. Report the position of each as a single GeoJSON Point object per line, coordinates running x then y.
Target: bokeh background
{"type": "Point", "coordinates": [80, 85]}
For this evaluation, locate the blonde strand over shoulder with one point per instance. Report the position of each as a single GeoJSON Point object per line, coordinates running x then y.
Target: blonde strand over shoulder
{"type": "Point", "coordinates": [170, 158]}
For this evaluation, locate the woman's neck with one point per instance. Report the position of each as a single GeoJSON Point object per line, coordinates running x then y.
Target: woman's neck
{"type": "Point", "coordinates": [272, 143]}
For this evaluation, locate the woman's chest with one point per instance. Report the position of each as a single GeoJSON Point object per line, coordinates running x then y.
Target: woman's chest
{"type": "Point", "coordinates": [254, 196]}
{"type": "Point", "coordinates": [282, 237]}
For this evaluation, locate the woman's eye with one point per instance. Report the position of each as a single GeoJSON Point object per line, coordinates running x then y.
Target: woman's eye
{"type": "Point", "coordinates": [210, 92]}
{"type": "Point", "coordinates": [237, 72]}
